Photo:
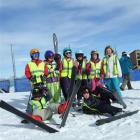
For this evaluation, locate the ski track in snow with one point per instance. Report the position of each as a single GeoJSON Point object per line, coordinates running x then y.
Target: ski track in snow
{"type": "Point", "coordinates": [81, 127]}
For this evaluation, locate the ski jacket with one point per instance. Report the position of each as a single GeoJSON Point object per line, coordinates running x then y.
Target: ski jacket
{"type": "Point", "coordinates": [94, 69]}
{"type": "Point", "coordinates": [81, 70]}
{"type": "Point", "coordinates": [53, 75]}
{"type": "Point", "coordinates": [90, 104]}
{"type": "Point", "coordinates": [41, 104]}
{"type": "Point", "coordinates": [111, 67]}
{"type": "Point", "coordinates": [126, 64]}
{"type": "Point", "coordinates": [66, 68]}
{"type": "Point", "coordinates": [36, 68]}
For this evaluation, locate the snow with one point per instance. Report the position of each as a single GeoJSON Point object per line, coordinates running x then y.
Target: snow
{"type": "Point", "coordinates": [81, 127]}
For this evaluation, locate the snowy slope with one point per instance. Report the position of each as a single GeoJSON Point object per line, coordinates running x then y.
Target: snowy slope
{"type": "Point", "coordinates": [81, 127]}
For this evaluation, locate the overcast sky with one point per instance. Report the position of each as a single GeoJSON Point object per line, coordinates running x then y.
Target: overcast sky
{"type": "Point", "coordinates": [82, 24]}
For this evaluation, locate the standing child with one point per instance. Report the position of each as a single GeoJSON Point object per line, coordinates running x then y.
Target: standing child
{"type": "Point", "coordinates": [93, 69]}
{"type": "Point", "coordinates": [80, 65]}
{"type": "Point", "coordinates": [112, 71]}
{"type": "Point", "coordinates": [52, 80]}
{"type": "Point", "coordinates": [66, 72]}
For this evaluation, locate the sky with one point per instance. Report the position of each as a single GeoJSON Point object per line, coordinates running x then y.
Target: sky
{"type": "Point", "coordinates": [82, 25]}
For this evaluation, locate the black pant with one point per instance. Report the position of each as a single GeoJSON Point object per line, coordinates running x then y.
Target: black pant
{"type": "Point", "coordinates": [65, 84]}
{"type": "Point", "coordinates": [106, 108]}
{"type": "Point", "coordinates": [84, 83]}
{"type": "Point", "coordinates": [105, 94]}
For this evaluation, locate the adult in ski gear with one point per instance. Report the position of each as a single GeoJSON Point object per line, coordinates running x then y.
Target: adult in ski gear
{"type": "Point", "coordinates": [52, 79]}
{"type": "Point", "coordinates": [94, 71]}
{"type": "Point", "coordinates": [80, 65]}
{"type": "Point", "coordinates": [126, 66]}
{"type": "Point", "coordinates": [36, 68]}
{"type": "Point", "coordinates": [112, 71]}
{"type": "Point", "coordinates": [97, 105]}
{"type": "Point", "coordinates": [66, 71]}
{"type": "Point", "coordinates": [43, 108]}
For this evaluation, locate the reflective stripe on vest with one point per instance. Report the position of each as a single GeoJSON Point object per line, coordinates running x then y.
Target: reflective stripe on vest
{"type": "Point", "coordinates": [95, 70]}
{"type": "Point", "coordinates": [115, 67]}
{"type": "Point", "coordinates": [37, 70]}
{"type": "Point", "coordinates": [39, 104]}
{"type": "Point", "coordinates": [67, 68]}
{"type": "Point", "coordinates": [81, 75]}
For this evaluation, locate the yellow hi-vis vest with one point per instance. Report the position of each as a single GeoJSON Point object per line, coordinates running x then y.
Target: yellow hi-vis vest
{"type": "Point", "coordinates": [95, 70]}
{"type": "Point", "coordinates": [39, 104]}
{"type": "Point", "coordinates": [115, 67]}
{"type": "Point", "coordinates": [67, 68]}
{"type": "Point", "coordinates": [82, 75]}
{"type": "Point", "coordinates": [37, 70]}
{"type": "Point", "coordinates": [52, 76]}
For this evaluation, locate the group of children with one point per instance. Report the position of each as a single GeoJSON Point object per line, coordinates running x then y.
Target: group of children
{"type": "Point", "coordinates": [51, 77]}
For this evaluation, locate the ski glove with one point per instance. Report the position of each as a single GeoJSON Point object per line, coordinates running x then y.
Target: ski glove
{"type": "Point", "coordinates": [33, 79]}
{"type": "Point", "coordinates": [62, 107]}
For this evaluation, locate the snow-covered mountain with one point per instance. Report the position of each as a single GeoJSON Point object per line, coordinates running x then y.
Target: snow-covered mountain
{"type": "Point", "coordinates": [81, 127]}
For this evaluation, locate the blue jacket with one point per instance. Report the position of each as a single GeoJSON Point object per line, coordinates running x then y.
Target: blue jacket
{"type": "Point", "coordinates": [126, 64]}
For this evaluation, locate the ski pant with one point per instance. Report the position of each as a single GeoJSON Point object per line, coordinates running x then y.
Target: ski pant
{"type": "Point", "coordinates": [105, 94]}
{"type": "Point", "coordinates": [126, 81]}
{"type": "Point", "coordinates": [106, 108]}
{"type": "Point", "coordinates": [93, 83]}
{"type": "Point", "coordinates": [65, 84]}
{"type": "Point", "coordinates": [46, 113]}
{"type": "Point", "coordinates": [113, 85]}
{"type": "Point", "coordinates": [102, 108]}
{"type": "Point", "coordinates": [83, 84]}
{"type": "Point", "coordinates": [55, 90]}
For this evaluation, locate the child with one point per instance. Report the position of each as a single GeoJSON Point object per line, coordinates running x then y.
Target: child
{"type": "Point", "coordinates": [93, 104]}
{"type": "Point", "coordinates": [42, 108]}
{"type": "Point", "coordinates": [93, 69]}
{"type": "Point", "coordinates": [112, 70]}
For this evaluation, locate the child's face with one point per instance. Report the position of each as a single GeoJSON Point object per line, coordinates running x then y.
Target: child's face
{"type": "Point", "coordinates": [86, 95]}
{"type": "Point", "coordinates": [37, 98]}
{"type": "Point", "coordinates": [108, 52]}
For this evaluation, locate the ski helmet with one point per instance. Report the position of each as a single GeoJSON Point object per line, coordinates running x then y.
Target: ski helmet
{"type": "Point", "coordinates": [34, 53]}
{"type": "Point", "coordinates": [57, 57]}
{"type": "Point", "coordinates": [94, 52]}
{"type": "Point", "coordinates": [36, 92]}
{"type": "Point", "coordinates": [79, 53]}
{"type": "Point", "coordinates": [49, 54]}
{"type": "Point", "coordinates": [67, 50]}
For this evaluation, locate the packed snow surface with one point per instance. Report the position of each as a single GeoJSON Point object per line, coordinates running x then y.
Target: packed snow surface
{"type": "Point", "coordinates": [81, 127]}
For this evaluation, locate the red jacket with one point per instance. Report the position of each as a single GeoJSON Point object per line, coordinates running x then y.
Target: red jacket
{"type": "Point", "coordinates": [27, 69]}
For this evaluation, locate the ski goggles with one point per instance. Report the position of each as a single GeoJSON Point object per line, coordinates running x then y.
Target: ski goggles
{"type": "Point", "coordinates": [35, 55]}
{"type": "Point", "coordinates": [68, 52]}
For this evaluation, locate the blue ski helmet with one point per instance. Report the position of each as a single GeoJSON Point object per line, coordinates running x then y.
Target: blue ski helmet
{"type": "Point", "coordinates": [66, 50]}
{"type": "Point", "coordinates": [49, 54]}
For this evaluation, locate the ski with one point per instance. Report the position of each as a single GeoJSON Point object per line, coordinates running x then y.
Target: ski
{"type": "Point", "coordinates": [55, 43]}
{"type": "Point", "coordinates": [114, 118]}
{"type": "Point", "coordinates": [74, 92]}
{"type": "Point", "coordinates": [25, 116]}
